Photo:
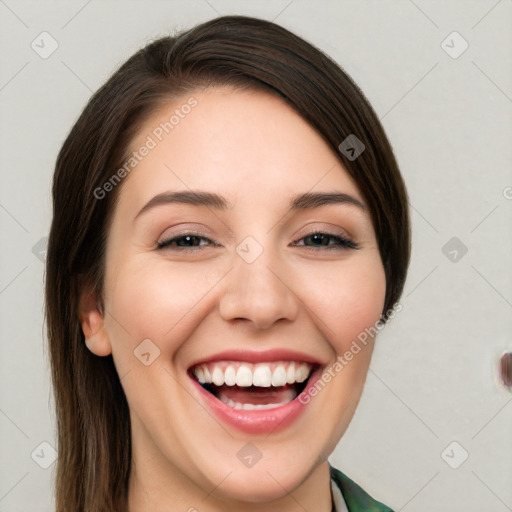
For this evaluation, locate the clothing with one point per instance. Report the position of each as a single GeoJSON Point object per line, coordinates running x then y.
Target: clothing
{"type": "Point", "coordinates": [338, 503]}
{"type": "Point", "coordinates": [349, 497]}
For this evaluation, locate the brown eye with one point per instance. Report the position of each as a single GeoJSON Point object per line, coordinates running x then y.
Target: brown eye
{"type": "Point", "coordinates": [322, 241]}
{"type": "Point", "coordinates": [185, 241]}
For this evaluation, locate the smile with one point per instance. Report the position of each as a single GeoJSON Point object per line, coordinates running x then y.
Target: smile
{"type": "Point", "coordinates": [247, 386]}
{"type": "Point", "coordinates": [256, 397]}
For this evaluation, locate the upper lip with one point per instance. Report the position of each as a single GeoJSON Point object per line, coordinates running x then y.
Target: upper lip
{"type": "Point", "coordinates": [260, 356]}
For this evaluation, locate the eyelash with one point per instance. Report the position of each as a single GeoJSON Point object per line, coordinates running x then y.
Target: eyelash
{"type": "Point", "coordinates": [340, 244]}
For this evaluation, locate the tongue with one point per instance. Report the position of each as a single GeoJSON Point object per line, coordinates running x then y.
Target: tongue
{"type": "Point", "coordinates": [258, 395]}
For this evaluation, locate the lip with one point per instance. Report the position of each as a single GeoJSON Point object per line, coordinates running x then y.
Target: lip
{"type": "Point", "coordinates": [262, 356]}
{"type": "Point", "coordinates": [263, 421]}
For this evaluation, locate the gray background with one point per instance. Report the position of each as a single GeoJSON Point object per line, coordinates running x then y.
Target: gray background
{"type": "Point", "coordinates": [433, 378]}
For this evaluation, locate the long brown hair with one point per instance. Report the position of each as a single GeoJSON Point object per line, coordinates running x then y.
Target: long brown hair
{"type": "Point", "coordinates": [93, 423]}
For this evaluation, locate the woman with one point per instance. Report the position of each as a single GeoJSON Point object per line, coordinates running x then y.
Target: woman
{"type": "Point", "coordinates": [230, 231]}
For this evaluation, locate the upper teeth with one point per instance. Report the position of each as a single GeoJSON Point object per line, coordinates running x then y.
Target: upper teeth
{"type": "Point", "coordinates": [247, 374]}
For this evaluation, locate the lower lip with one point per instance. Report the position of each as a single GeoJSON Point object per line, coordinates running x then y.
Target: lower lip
{"type": "Point", "coordinates": [262, 421]}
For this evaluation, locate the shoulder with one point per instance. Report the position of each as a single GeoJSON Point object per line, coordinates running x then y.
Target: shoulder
{"type": "Point", "coordinates": [356, 498]}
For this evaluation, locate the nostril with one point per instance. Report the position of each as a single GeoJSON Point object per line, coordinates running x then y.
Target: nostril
{"type": "Point", "coordinates": [505, 369]}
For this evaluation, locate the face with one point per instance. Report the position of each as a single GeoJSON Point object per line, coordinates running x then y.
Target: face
{"type": "Point", "coordinates": [233, 291]}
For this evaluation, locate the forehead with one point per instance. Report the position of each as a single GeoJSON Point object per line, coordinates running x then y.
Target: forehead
{"type": "Point", "coordinates": [235, 142]}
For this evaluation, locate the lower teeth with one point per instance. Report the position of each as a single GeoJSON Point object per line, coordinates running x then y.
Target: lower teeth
{"type": "Point", "coordinates": [249, 407]}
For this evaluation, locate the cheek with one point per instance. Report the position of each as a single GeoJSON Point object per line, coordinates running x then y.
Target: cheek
{"type": "Point", "coordinates": [348, 302]}
{"type": "Point", "coordinates": [161, 302]}
{"type": "Point", "coordinates": [156, 300]}
{"type": "Point", "coordinates": [347, 298]}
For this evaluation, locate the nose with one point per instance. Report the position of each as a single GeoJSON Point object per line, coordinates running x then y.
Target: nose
{"type": "Point", "coordinates": [258, 292]}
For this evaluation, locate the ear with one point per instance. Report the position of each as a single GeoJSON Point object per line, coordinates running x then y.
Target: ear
{"type": "Point", "coordinates": [93, 323]}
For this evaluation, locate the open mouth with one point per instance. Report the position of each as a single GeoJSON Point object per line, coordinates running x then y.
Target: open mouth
{"type": "Point", "coordinates": [247, 386]}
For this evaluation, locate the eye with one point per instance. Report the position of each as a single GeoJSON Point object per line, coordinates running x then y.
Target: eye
{"type": "Point", "coordinates": [184, 242]}
{"type": "Point", "coordinates": [322, 241]}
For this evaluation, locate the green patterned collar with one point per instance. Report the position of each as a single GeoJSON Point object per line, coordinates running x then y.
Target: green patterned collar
{"type": "Point", "coordinates": [355, 497]}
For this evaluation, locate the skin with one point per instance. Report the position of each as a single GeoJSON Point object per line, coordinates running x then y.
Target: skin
{"type": "Point", "coordinates": [253, 149]}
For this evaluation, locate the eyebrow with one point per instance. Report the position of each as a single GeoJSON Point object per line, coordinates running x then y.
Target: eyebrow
{"type": "Point", "coordinates": [213, 200]}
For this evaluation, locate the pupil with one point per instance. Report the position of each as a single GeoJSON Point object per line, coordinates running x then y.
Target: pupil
{"type": "Point", "coordinates": [317, 237]}
{"type": "Point", "coordinates": [188, 238]}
